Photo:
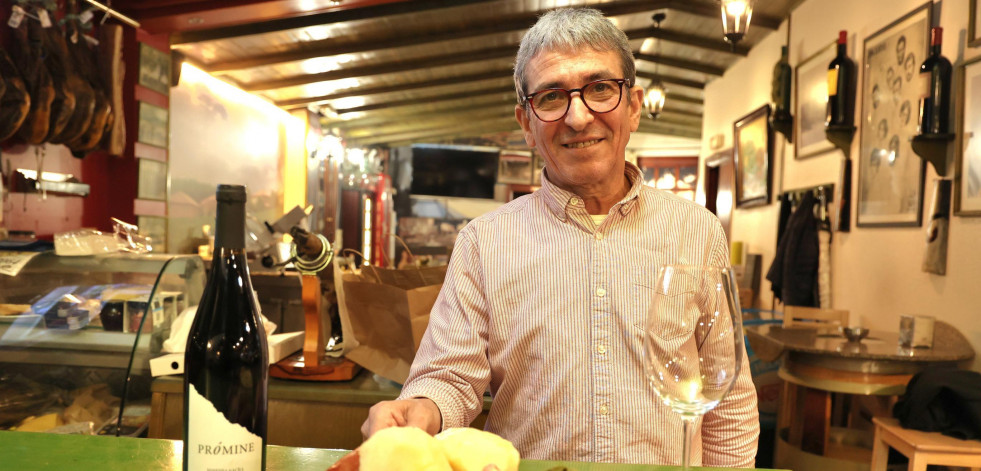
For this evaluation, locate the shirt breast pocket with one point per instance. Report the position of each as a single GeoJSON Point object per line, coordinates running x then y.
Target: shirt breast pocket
{"type": "Point", "coordinates": [669, 311]}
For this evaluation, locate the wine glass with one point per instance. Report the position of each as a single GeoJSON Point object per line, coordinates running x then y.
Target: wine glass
{"type": "Point", "coordinates": [693, 340]}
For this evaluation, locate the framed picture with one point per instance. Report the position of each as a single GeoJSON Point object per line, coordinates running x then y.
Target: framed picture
{"type": "Point", "coordinates": [152, 180]}
{"type": "Point", "coordinates": [811, 102]}
{"type": "Point", "coordinates": [152, 126]}
{"type": "Point", "coordinates": [890, 175]}
{"type": "Point", "coordinates": [974, 25]}
{"type": "Point", "coordinates": [514, 166]}
{"type": "Point", "coordinates": [154, 69]}
{"type": "Point", "coordinates": [752, 149]}
{"type": "Point", "coordinates": [967, 182]}
{"type": "Point", "coordinates": [156, 228]}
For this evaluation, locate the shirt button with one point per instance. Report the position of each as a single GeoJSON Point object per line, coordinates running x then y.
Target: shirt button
{"type": "Point", "coordinates": [600, 292]}
{"type": "Point", "coordinates": [601, 349]}
{"type": "Point", "coordinates": [599, 236]}
{"type": "Point", "coordinates": [574, 201]}
{"type": "Point", "coordinates": [603, 410]}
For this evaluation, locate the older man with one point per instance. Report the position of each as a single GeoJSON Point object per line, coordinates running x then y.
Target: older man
{"type": "Point", "coordinates": [545, 299]}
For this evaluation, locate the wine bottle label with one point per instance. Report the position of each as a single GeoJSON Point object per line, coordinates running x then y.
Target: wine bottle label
{"type": "Point", "coordinates": [832, 82]}
{"type": "Point", "coordinates": [214, 443]}
{"type": "Point", "coordinates": [924, 85]}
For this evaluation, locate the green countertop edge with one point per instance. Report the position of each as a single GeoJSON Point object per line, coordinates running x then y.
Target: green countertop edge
{"type": "Point", "coordinates": [29, 451]}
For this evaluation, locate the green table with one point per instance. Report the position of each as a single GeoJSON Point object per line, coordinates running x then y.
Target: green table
{"type": "Point", "coordinates": [27, 451]}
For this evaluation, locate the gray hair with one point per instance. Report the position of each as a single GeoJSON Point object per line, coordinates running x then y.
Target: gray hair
{"type": "Point", "coordinates": [571, 29]}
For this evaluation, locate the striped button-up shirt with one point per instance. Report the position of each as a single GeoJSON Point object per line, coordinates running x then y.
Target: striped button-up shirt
{"type": "Point", "coordinates": [547, 310]}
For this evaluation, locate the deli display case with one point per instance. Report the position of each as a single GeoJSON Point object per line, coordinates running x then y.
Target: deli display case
{"type": "Point", "coordinates": [77, 335]}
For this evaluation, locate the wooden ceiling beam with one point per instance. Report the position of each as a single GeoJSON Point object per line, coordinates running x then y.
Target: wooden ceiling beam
{"type": "Point", "coordinates": [478, 127]}
{"type": "Point", "coordinates": [425, 100]}
{"type": "Point", "coordinates": [381, 123]}
{"type": "Point", "coordinates": [329, 47]}
{"type": "Point", "coordinates": [318, 19]}
{"type": "Point", "coordinates": [357, 91]}
{"type": "Point", "coordinates": [428, 125]}
{"type": "Point", "coordinates": [684, 99]}
{"type": "Point", "coordinates": [679, 37]}
{"type": "Point", "coordinates": [380, 69]}
{"type": "Point", "coordinates": [672, 79]}
{"type": "Point", "coordinates": [711, 10]}
{"type": "Point", "coordinates": [680, 63]}
{"type": "Point", "coordinates": [401, 114]}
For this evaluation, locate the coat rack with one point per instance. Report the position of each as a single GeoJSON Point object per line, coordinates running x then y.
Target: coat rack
{"type": "Point", "coordinates": [825, 197]}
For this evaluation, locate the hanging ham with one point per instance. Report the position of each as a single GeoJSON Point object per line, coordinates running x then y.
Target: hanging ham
{"type": "Point", "coordinates": [15, 102]}
{"type": "Point", "coordinates": [27, 53]}
{"type": "Point", "coordinates": [81, 117]}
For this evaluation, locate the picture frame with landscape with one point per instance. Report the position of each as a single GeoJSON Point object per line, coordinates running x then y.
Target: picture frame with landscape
{"type": "Point", "coordinates": [890, 175]}
{"type": "Point", "coordinates": [811, 101]}
{"type": "Point", "coordinates": [967, 180]}
{"type": "Point", "coordinates": [753, 158]}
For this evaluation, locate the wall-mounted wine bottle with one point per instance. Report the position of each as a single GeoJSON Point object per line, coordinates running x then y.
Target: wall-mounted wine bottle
{"type": "Point", "coordinates": [841, 87]}
{"type": "Point", "coordinates": [226, 361]}
{"type": "Point", "coordinates": [935, 75]}
{"type": "Point", "coordinates": [780, 87]}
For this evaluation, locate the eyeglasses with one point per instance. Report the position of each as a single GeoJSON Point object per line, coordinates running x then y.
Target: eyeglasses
{"type": "Point", "coordinates": [601, 96]}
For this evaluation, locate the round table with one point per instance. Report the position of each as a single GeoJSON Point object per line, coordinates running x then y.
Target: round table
{"type": "Point", "coordinates": [817, 363]}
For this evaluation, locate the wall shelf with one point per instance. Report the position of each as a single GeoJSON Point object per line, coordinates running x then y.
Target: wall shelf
{"type": "Point", "coordinates": [784, 126]}
{"type": "Point", "coordinates": [841, 136]}
{"type": "Point", "coordinates": [933, 148]}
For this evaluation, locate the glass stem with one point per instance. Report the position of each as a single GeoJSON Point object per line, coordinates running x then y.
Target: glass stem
{"type": "Point", "coordinates": [686, 447]}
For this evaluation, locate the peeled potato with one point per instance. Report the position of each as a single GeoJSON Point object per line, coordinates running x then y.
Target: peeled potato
{"type": "Point", "coordinates": [470, 449]}
{"type": "Point", "coordinates": [402, 449]}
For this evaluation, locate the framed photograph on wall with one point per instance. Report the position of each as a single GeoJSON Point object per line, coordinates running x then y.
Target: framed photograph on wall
{"type": "Point", "coordinates": [811, 103]}
{"type": "Point", "coordinates": [967, 182]}
{"type": "Point", "coordinates": [152, 127]}
{"type": "Point", "coordinates": [753, 153]}
{"type": "Point", "coordinates": [155, 227]}
{"type": "Point", "coordinates": [152, 180]}
{"type": "Point", "coordinates": [154, 69]}
{"type": "Point", "coordinates": [974, 25]}
{"type": "Point", "coordinates": [890, 175]}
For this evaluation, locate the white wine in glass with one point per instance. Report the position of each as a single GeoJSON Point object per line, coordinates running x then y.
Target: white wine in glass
{"type": "Point", "coordinates": [693, 340]}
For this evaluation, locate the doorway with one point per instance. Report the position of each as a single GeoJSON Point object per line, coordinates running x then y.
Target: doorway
{"type": "Point", "coordinates": [719, 187]}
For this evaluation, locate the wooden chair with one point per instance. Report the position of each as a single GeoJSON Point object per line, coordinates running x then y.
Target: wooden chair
{"type": "Point", "coordinates": [801, 316]}
{"type": "Point", "coordinates": [922, 448]}
{"type": "Point", "coordinates": [804, 411]}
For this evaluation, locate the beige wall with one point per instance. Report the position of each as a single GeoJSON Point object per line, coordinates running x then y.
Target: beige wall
{"type": "Point", "coordinates": [875, 271]}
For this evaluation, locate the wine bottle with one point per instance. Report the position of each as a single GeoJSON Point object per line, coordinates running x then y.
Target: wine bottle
{"type": "Point", "coordinates": [841, 86]}
{"type": "Point", "coordinates": [780, 87]}
{"type": "Point", "coordinates": [935, 74]}
{"type": "Point", "coordinates": [226, 361]}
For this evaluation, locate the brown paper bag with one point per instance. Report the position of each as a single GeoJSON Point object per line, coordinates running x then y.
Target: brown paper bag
{"type": "Point", "coordinates": [387, 311]}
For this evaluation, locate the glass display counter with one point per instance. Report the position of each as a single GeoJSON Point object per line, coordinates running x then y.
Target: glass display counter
{"type": "Point", "coordinates": [77, 335]}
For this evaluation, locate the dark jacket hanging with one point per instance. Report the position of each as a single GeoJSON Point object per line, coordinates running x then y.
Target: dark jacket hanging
{"type": "Point", "coordinates": [793, 273]}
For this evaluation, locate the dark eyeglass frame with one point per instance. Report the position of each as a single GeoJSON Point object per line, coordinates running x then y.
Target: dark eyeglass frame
{"type": "Point", "coordinates": [568, 93]}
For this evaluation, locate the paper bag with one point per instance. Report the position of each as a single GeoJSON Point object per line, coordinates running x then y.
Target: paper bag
{"type": "Point", "coordinates": [387, 311]}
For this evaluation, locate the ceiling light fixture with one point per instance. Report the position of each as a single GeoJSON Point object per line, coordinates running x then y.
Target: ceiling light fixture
{"type": "Point", "coordinates": [736, 15]}
{"type": "Point", "coordinates": [655, 93]}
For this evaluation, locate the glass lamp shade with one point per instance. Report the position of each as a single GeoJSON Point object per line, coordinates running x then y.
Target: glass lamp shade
{"type": "Point", "coordinates": [736, 15]}
{"type": "Point", "coordinates": [654, 99]}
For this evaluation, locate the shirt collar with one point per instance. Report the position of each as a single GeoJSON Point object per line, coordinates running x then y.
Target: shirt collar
{"type": "Point", "coordinates": [560, 201]}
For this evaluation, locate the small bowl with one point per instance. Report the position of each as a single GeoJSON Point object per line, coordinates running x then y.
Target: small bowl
{"type": "Point", "coordinates": [855, 334]}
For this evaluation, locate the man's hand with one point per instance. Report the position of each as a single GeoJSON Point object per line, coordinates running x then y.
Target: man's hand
{"type": "Point", "coordinates": [418, 412]}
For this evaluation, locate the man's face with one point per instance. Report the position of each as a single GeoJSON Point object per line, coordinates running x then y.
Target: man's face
{"type": "Point", "coordinates": [583, 149]}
